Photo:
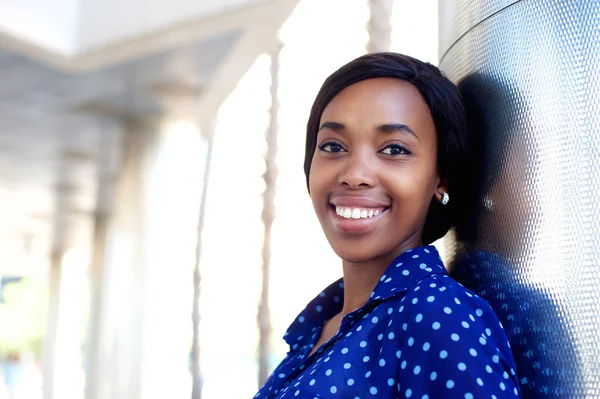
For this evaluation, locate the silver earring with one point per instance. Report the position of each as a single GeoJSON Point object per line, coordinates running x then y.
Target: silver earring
{"type": "Point", "coordinates": [488, 204]}
{"type": "Point", "coordinates": [445, 198]}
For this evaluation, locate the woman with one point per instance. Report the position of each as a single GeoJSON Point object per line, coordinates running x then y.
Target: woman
{"type": "Point", "coordinates": [386, 151]}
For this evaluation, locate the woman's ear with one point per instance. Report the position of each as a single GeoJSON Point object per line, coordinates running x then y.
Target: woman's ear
{"type": "Point", "coordinates": [442, 188]}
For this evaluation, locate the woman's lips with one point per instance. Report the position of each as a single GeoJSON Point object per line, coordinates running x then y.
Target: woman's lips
{"type": "Point", "coordinates": [347, 201]}
{"type": "Point", "coordinates": [359, 221]}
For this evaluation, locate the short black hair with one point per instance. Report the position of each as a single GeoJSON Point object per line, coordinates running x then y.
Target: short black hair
{"type": "Point", "coordinates": [445, 103]}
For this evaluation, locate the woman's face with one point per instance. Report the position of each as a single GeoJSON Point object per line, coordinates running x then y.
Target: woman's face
{"type": "Point", "coordinates": [374, 171]}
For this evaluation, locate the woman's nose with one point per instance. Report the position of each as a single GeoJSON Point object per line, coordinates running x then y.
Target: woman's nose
{"type": "Point", "coordinates": [357, 172]}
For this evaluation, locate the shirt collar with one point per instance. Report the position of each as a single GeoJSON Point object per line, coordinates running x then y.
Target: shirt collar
{"type": "Point", "coordinates": [408, 268]}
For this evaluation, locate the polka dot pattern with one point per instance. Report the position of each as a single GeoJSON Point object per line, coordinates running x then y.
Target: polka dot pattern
{"type": "Point", "coordinates": [420, 335]}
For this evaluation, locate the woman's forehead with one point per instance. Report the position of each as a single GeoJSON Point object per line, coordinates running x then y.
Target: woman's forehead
{"type": "Point", "coordinates": [375, 102]}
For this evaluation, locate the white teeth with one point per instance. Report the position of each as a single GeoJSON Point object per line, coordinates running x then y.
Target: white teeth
{"type": "Point", "coordinates": [356, 213]}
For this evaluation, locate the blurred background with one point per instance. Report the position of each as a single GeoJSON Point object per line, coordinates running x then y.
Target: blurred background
{"type": "Point", "coordinates": [157, 237]}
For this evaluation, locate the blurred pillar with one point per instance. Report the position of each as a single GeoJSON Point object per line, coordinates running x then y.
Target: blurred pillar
{"type": "Point", "coordinates": [379, 26]}
{"type": "Point", "coordinates": [268, 215]}
{"type": "Point", "coordinates": [108, 160]}
{"type": "Point", "coordinates": [144, 249]}
{"type": "Point", "coordinates": [93, 352]}
{"type": "Point", "coordinates": [196, 377]}
{"type": "Point", "coordinates": [59, 239]}
{"type": "Point", "coordinates": [51, 335]}
{"type": "Point", "coordinates": [119, 271]}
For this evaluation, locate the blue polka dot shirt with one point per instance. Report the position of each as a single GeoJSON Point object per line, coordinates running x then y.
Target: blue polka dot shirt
{"type": "Point", "coordinates": [420, 335]}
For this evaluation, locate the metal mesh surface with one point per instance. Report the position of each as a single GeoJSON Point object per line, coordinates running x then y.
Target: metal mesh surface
{"type": "Point", "coordinates": [459, 16]}
{"type": "Point", "coordinates": [530, 75]}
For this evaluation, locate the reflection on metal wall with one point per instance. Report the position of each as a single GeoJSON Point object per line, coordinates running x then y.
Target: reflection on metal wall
{"type": "Point", "coordinates": [530, 74]}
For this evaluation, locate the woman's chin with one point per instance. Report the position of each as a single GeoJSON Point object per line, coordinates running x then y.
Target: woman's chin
{"type": "Point", "coordinates": [368, 250]}
{"type": "Point", "coordinates": [355, 254]}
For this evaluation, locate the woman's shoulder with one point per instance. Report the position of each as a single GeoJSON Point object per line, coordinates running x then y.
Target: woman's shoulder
{"type": "Point", "coordinates": [439, 299]}
{"type": "Point", "coordinates": [441, 290]}
{"type": "Point", "coordinates": [452, 338]}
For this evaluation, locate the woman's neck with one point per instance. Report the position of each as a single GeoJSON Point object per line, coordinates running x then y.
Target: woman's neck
{"type": "Point", "coordinates": [361, 278]}
{"type": "Point", "coordinates": [359, 281]}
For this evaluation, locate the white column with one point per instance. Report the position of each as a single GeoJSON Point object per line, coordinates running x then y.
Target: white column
{"type": "Point", "coordinates": [97, 358]}
{"type": "Point", "coordinates": [93, 352]}
{"type": "Point", "coordinates": [127, 262]}
{"type": "Point", "coordinates": [268, 216]}
{"type": "Point", "coordinates": [208, 133]}
{"type": "Point", "coordinates": [144, 330]}
{"type": "Point", "coordinates": [379, 25]}
{"type": "Point", "coordinates": [120, 272]}
{"type": "Point", "coordinates": [50, 338]}
{"type": "Point", "coordinates": [58, 246]}
{"type": "Point", "coordinates": [171, 239]}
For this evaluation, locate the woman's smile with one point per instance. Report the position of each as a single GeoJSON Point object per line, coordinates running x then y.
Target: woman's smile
{"type": "Point", "coordinates": [360, 221]}
{"type": "Point", "coordinates": [356, 215]}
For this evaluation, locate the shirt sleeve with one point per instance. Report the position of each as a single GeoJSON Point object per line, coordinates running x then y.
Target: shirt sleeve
{"type": "Point", "coordinates": [453, 345]}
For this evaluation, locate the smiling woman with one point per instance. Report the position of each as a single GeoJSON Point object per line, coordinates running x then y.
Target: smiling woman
{"type": "Point", "coordinates": [386, 148]}
{"type": "Point", "coordinates": [372, 159]}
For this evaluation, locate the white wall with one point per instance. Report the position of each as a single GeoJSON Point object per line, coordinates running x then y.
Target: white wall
{"type": "Point", "coordinates": [103, 22]}
{"type": "Point", "coordinates": [70, 27]}
{"type": "Point", "coordinates": [49, 24]}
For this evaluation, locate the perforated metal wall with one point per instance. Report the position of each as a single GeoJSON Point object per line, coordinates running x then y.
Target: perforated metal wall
{"type": "Point", "coordinates": [530, 74]}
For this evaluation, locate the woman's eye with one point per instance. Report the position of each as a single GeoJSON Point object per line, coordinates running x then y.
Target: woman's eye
{"type": "Point", "coordinates": [331, 147]}
{"type": "Point", "coordinates": [394, 149]}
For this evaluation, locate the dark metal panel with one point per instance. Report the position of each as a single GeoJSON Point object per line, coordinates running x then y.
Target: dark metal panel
{"type": "Point", "coordinates": [530, 75]}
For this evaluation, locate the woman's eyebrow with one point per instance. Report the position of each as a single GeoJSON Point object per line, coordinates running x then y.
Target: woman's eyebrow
{"type": "Point", "coordinates": [396, 127]}
{"type": "Point", "coordinates": [385, 128]}
{"type": "Point", "coordinates": [336, 126]}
